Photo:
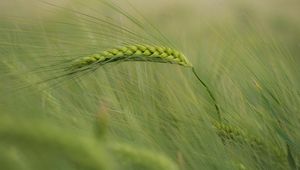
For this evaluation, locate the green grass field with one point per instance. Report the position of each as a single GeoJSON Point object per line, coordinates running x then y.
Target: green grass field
{"type": "Point", "coordinates": [147, 115]}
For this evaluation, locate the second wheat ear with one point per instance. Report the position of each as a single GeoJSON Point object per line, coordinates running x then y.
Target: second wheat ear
{"type": "Point", "coordinates": [138, 52]}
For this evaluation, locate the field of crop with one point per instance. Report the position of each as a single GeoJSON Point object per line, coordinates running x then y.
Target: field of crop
{"type": "Point", "coordinates": [149, 85]}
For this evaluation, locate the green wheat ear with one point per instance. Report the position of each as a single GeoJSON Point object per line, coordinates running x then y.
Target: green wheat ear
{"type": "Point", "coordinates": [148, 53]}
{"type": "Point", "coordinates": [234, 135]}
{"type": "Point", "coordinates": [139, 52]}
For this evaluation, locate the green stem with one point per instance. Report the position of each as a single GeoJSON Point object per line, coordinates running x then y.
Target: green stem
{"type": "Point", "coordinates": [209, 92]}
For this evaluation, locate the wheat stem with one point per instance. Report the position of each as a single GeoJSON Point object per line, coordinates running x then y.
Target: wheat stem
{"type": "Point", "coordinates": [210, 94]}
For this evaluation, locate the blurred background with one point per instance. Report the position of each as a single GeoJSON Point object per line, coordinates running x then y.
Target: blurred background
{"type": "Point", "coordinates": [147, 115]}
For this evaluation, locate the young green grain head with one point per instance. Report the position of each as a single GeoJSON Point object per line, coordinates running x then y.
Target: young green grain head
{"type": "Point", "coordinates": [147, 53]}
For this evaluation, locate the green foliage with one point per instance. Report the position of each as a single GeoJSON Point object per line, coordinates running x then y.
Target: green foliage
{"type": "Point", "coordinates": [130, 157]}
{"type": "Point", "coordinates": [145, 115]}
{"type": "Point", "coordinates": [36, 144]}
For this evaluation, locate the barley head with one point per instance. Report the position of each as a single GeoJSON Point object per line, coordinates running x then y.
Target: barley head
{"type": "Point", "coordinates": [148, 53]}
